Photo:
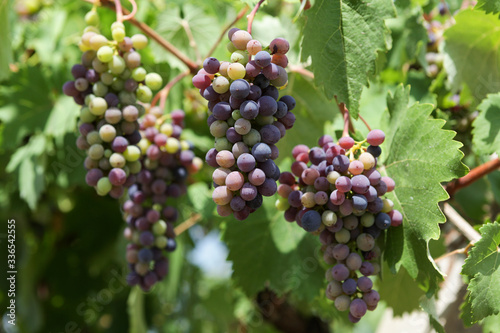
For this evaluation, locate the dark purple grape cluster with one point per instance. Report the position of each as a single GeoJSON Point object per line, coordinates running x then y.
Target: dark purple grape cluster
{"type": "Point", "coordinates": [150, 212]}
{"type": "Point", "coordinates": [338, 195]}
{"type": "Point", "coordinates": [110, 85]}
{"type": "Point", "coordinates": [247, 119]}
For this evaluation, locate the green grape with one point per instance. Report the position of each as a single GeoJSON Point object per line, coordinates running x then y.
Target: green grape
{"type": "Point", "coordinates": [126, 98]}
{"type": "Point", "coordinates": [282, 204]}
{"type": "Point", "coordinates": [117, 25]}
{"type": "Point", "coordinates": [367, 220]}
{"type": "Point", "coordinates": [96, 152]}
{"type": "Point", "coordinates": [222, 144]}
{"type": "Point", "coordinates": [105, 54]}
{"type": "Point", "coordinates": [230, 47]}
{"type": "Point", "coordinates": [107, 78]}
{"type": "Point", "coordinates": [100, 89]}
{"type": "Point", "coordinates": [117, 65]}
{"type": "Point", "coordinates": [139, 74]}
{"type": "Point", "coordinates": [107, 153]}
{"type": "Point", "coordinates": [89, 98]}
{"type": "Point", "coordinates": [220, 84]}
{"type": "Point", "coordinates": [107, 133]}
{"type": "Point", "coordinates": [236, 71]}
{"type": "Point", "coordinates": [167, 129]}
{"type": "Point", "coordinates": [240, 57]}
{"type": "Point", "coordinates": [172, 146]}
{"type": "Point", "coordinates": [236, 114]}
{"type": "Point", "coordinates": [98, 106]}
{"type": "Point", "coordinates": [99, 66]}
{"type": "Point", "coordinates": [117, 160]}
{"type": "Point", "coordinates": [92, 18]}
{"type": "Point", "coordinates": [97, 41]}
{"type": "Point", "coordinates": [118, 34]}
{"type": "Point", "coordinates": [343, 236]}
{"type": "Point", "coordinates": [134, 167]}
{"type": "Point", "coordinates": [93, 138]}
{"type": "Point", "coordinates": [139, 41]}
{"type": "Point", "coordinates": [126, 74]}
{"type": "Point", "coordinates": [132, 153]}
{"type": "Point", "coordinates": [103, 186]}
{"type": "Point", "coordinates": [159, 228]}
{"type": "Point", "coordinates": [144, 94]}
{"type": "Point", "coordinates": [86, 116]}
{"type": "Point", "coordinates": [161, 242]}
{"type": "Point", "coordinates": [118, 84]}
{"type": "Point", "coordinates": [218, 128]}
{"type": "Point", "coordinates": [150, 164]}
{"type": "Point", "coordinates": [328, 218]}
{"type": "Point", "coordinates": [252, 138]}
{"type": "Point", "coordinates": [231, 122]}
{"type": "Point", "coordinates": [264, 120]}
{"type": "Point", "coordinates": [153, 81]}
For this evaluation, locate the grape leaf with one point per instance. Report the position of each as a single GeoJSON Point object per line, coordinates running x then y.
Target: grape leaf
{"type": "Point", "coordinates": [420, 155]}
{"type": "Point", "coordinates": [6, 50]}
{"type": "Point", "coordinates": [483, 269]}
{"type": "Point", "coordinates": [486, 132]}
{"type": "Point", "coordinates": [429, 306]}
{"type": "Point", "coordinates": [471, 53]}
{"type": "Point", "coordinates": [489, 6]}
{"type": "Point", "coordinates": [392, 286]}
{"type": "Point", "coordinates": [342, 38]}
{"type": "Point", "coordinates": [261, 259]}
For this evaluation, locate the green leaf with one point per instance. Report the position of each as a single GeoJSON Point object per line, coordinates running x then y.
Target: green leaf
{"type": "Point", "coordinates": [262, 257]}
{"type": "Point", "coordinates": [420, 155]}
{"type": "Point", "coordinates": [429, 306]}
{"type": "Point", "coordinates": [342, 38]}
{"type": "Point", "coordinates": [6, 49]}
{"type": "Point", "coordinates": [486, 132]}
{"type": "Point", "coordinates": [471, 53]}
{"type": "Point", "coordinates": [62, 119]}
{"type": "Point", "coordinates": [489, 6]}
{"type": "Point", "coordinates": [482, 267]}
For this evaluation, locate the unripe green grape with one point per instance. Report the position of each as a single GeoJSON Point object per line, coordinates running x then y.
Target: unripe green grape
{"type": "Point", "coordinates": [98, 106]}
{"type": "Point", "coordinates": [99, 66]}
{"type": "Point", "coordinates": [252, 138]}
{"type": "Point", "coordinates": [240, 57]}
{"type": "Point", "coordinates": [86, 116]}
{"type": "Point", "coordinates": [103, 186]}
{"type": "Point", "coordinates": [142, 110]}
{"type": "Point", "coordinates": [161, 242]}
{"type": "Point", "coordinates": [332, 177]}
{"type": "Point", "coordinates": [96, 152]}
{"type": "Point", "coordinates": [367, 220]}
{"type": "Point", "coordinates": [98, 41]}
{"type": "Point", "coordinates": [105, 53]}
{"type": "Point", "coordinates": [220, 84]}
{"type": "Point", "coordinates": [230, 47]}
{"type": "Point", "coordinates": [172, 146]}
{"type": "Point", "coordinates": [92, 18]}
{"type": "Point", "coordinates": [236, 114]}
{"type": "Point", "coordinates": [139, 74]}
{"type": "Point", "coordinates": [388, 205]}
{"type": "Point", "coordinates": [218, 128]}
{"type": "Point", "coordinates": [132, 153]}
{"type": "Point", "coordinates": [91, 29]}
{"type": "Point", "coordinates": [231, 122]}
{"type": "Point", "coordinates": [328, 218]}
{"type": "Point", "coordinates": [127, 98]}
{"type": "Point", "coordinates": [107, 78]}
{"type": "Point", "coordinates": [343, 236]}
{"type": "Point", "coordinates": [117, 25]}
{"type": "Point", "coordinates": [160, 227]}
{"type": "Point", "coordinates": [222, 144]}
{"type": "Point", "coordinates": [236, 71]}
{"type": "Point", "coordinates": [143, 145]}
{"type": "Point", "coordinates": [93, 138]}
{"type": "Point", "coordinates": [150, 164]}
{"type": "Point", "coordinates": [116, 160]}
{"type": "Point", "coordinates": [144, 94]}
{"type": "Point", "coordinates": [100, 89]}
{"type": "Point", "coordinates": [139, 41]}
{"type": "Point", "coordinates": [118, 84]}
{"type": "Point", "coordinates": [282, 204]}
{"type": "Point", "coordinates": [107, 153]}
{"type": "Point", "coordinates": [118, 34]}
{"type": "Point", "coordinates": [167, 129]}
{"type": "Point", "coordinates": [89, 98]}
{"type": "Point", "coordinates": [153, 81]}
{"type": "Point", "coordinates": [264, 120]}
{"type": "Point", "coordinates": [126, 74]}
{"type": "Point", "coordinates": [134, 167]}
{"type": "Point", "coordinates": [117, 65]}
{"type": "Point", "coordinates": [107, 133]}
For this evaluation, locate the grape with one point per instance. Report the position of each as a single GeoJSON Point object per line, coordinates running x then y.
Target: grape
{"type": "Point", "coordinates": [261, 152]}
{"type": "Point", "coordinates": [279, 45]}
{"type": "Point", "coordinates": [262, 59]}
{"type": "Point", "coordinates": [365, 242]}
{"type": "Point", "coordinates": [235, 180]}
{"type": "Point", "coordinates": [239, 89]}
{"type": "Point", "coordinates": [389, 182]}
{"type": "Point", "coordinates": [382, 221]}
{"type": "Point", "coordinates": [396, 218]}
{"type": "Point", "coordinates": [246, 162]}
{"type": "Point", "coordinates": [342, 302]}
{"type": "Point", "coordinates": [340, 272]}
{"type": "Point", "coordinates": [236, 71]}
{"type": "Point", "coordinates": [257, 177]}
{"type": "Point", "coordinates": [343, 236]}
{"type": "Point", "coordinates": [220, 84]}
{"type": "Point", "coordinates": [333, 290]}
{"type": "Point", "coordinates": [249, 109]}
{"type": "Point", "coordinates": [365, 284]}
{"type": "Point", "coordinates": [211, 65]}
{"type": "Point", "coordinates": [374, 150]}
{"type": "Point", "coordinates": [358, 308]}
{"type": "Point", "coordinates": [349, 286]}
{"type": "Point", "coordinates": [353, 262]}
{"type": "Point", "coordinates": [375, 137]}
{"type": "Point", "coordinates": [371, 298]}
{"type": "Point", "coordinates": [343, 184]}
{"type": "Point", "coordinates": [368, 160]}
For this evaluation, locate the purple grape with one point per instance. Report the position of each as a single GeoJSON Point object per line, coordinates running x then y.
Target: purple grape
{"type": "Point", "coordinates": [239, 89]}
{"type": "Point", "coordinates": [269, 188]}
{"type": "Point", "coordinates": [246, 162]}
{"type": "Point", "coordinates": [340, 272]}
{"type": "Point", "coordinates": [365, 284]}
{"type": "Point", "coordinates": [311, 221]}
{"type": "Point", "coordinates": [248, 192]}
{"type": "Point", "coordinates": [93, 176]}
{"type": "Point", "coordinates": [146, 238]}
{"type": "Point", "coordinates": [270, 134]}
{"type": "Point", "coordinates": [210, 158]}
{"type": "Point", "coordinates": [359, 202]}
{"type": "Point", "coordinates": [267, 106]}
{"type": "Point", "coordinates": [294, 199]}
{"type": "Point", "coordinates": [222, 111]}
{"type": "Point", "coordinates": [117, 176]}
{"type": "Point", "coordinates": [360, 184]}
{"type": "Point", "coordinates": [262, 59]}
{"type": "Point", "coordinates": [349, 286]}
{"type": "Point", "coordinates": [211, 65]}
{"type": "Point", "coordinates": [382, 221]}
{"type": "Point", "coordinates": [261, 152]}
{"type": "Point", "coordinates": [340, 251]}
{"type": "Point", "coordinates": [358, 308]}
{"type": "Point", "coordinates": [249, 110]}
{"type": "Point", "coordinates": [237, 204]}
{"type": "Point", "coordinates": [119, 144]}
{"type": "Point", "coordinates": [343, 184]}
{"type": "Point", "coordinates": [341, 163]}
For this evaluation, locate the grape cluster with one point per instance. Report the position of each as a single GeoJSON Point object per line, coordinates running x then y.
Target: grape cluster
{"type": "Point", "coordinates": [338, 196]}
{"type": "Point", "coordinates": [247, 119]}
{"type": "Point", "coordinates": [110, 84]}
{"type": "Point", "coordinates": [150, 212]}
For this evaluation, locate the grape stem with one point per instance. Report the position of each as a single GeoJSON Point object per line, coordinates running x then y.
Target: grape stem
{"type": "Point", "coordinates": [464, 250]}
{"type": "Point", "coordinates": [221, 36]}
{"type": "Point", "coordinates": [301, 70]}
{"type": "Point", "coordinates": [195, 218]}
{"type": "Point", "coordinates": [148, 31]}
{"type": "Point", "coordinates": [119, 11]}
{"type": "Point", "coordinates": [133, 12]}
{"type": "Point", "coordinates": [192, 41]}
{"type": "Point", "coordinates": [163, 93]}
{"type": "Point", "coordinates": [364, 122]}
{"type": "Point", "coordinates": [473, 175]}
{"type": "Point", "coordinates": [460, 223]}
{"type": "Point", "coordinates": [251, 16]}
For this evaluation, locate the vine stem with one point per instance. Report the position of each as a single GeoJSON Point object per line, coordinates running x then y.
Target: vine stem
{"type": "Point", "coordinates": [119, 11]}
{"type": "Point", "coordinates": [163, 93]}
{"type": "Point", "coordinates": [364, 122]}
{"type": "Point", "coordinates": [462, 225]}
{"type": "Point", "coordinates": [464, 250]}
{"type": "Point", "coordinates": [221, 36]}
{"type": "Point", "coordinates": [147, 30]}
{"type": "Point", "coordinates": [301, 70]}
{"type": "Point", "coordinates": [251, 16]}
{"type": "Point", "coordinates": [473, 175]}
{"type": "Point", "coordinates": [133, 12]}
{"type": "Point", "coordinates": [347, 119]}
{"type": "Point", "coordinates": [195, 218]}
